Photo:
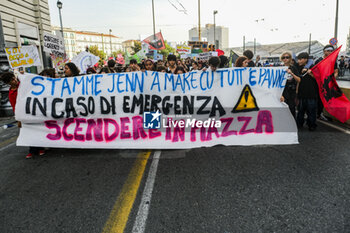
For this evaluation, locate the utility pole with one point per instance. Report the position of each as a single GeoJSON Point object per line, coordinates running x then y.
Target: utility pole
{"type": "Point", "coordinates": [154, 21]}
{"type": "Point", "coordinates": [103, 45]}
{"type": "Point", "coordinates": [199, 21]}
{"type": "Point", "coordinates": [336, 21]}
{"type": "Point", "coordinates": [243, 43]}
{"type": "Point", "coordinates": [254, 46]}
{"type": "Point", "coordinates": [309, 43]}
{"type": "Point", "coordinates": [110, 40]}
{"type": "Point", "coordinates": [216, 46]}
{"type": "Point", "coordinates": [59, 6]}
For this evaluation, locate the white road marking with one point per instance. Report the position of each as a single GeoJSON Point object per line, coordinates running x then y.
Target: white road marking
{"type": "Point", "coordinates": [335, 127]}
{"type": "Point", "coordinates": [7, 146]}
{"type": "Point", "coordinates": [142, 214]}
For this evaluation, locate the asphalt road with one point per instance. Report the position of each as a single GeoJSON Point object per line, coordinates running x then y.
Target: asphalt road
{"type": "Point", "coordinates": [297, 188]}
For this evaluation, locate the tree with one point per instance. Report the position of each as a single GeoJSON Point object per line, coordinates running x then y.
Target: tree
{"type": "Point", "coordinates": [136, 47]}
{"type": "Point", "coordinates": [115, 53]}
{"type": "Point", "coordinates": [95, 51]}
{"type": "Point", "coordinates": [168, 49]}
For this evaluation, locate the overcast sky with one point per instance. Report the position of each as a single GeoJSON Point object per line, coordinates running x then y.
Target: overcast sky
{"type": "Point", "coordinates": [269, 21]}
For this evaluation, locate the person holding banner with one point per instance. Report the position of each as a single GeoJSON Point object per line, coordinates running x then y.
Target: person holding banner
{"type": "Point", "coordinates": [111, 64]}
{"type": "Point", "coordinates": [149, 65]}
{"type": "Point", "coordinates": [214, 63]}
{"type": "Point", "coordinates": [161, 69]}
{"type": "Point", "coordinates": [307, 94]}
{"type": "Point", "coordinates": [289, 92]}
{"type": "Point", "coordinates": [172, 63]}
{"type": "Point", "coordinates": [249, 54]}
{"type": "Point", "coordinates": [10, 79]}
{"type": "Point", "coordinates": [241, 62]}
{"type": "Point", "coordinates": [180, 70]}
{"type": "Point", "coordinates": [71, 70]}
{"type": "Point", "coordinates": [49, 72]}
{"type": "Point", "coordinates": [105, 70]}
{"type": "Point", "coordinates": [133, 66]}
{"type": "Point", "coordinates": [194, 66]}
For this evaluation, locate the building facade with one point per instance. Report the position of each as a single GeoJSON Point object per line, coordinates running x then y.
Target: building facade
{"type": "Point", "coordinates": [128, 45]}
{"type": "Point", "coordinates": [77, 41]}
{"type": "Point", "coordinates": [207, 34]}
{"type": "Point", "coordinates": [22, 23]}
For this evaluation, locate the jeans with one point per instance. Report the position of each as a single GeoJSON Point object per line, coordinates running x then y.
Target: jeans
{"type": "Point", "coordinates": [310, 107]}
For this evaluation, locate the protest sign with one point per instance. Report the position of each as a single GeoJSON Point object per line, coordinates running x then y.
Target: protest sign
{"type": "Point", "coordinates": [184, 56]}
{"type": "Point", "coordinates": [58, 61]}
{"type": "Point", "coordinates": [158, 57]}
{"type": "Point", "coordinates": [24, 56]}
{"type": "Point", "coordinates": [236, 106]}
{"type": "Point", "coordinates": [85, 60]}
{"type": "Point", "coordinates": [207, 55]}
{"type": "Point", "coordinates": [120, 59]}
{"type": "Point", "coordinates": [54, 45]}
{"type": "Point", "coordinates": [183, 49]}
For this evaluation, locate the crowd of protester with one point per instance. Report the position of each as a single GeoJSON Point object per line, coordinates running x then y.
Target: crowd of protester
{"type": "Point", "coordinates": [300, 93]}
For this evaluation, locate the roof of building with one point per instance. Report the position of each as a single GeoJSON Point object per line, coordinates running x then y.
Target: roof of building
{"type": "Point", "coordinates": [275, 50]}
{"type": "Point", "coordinates": [95, 34]}
{"type": "Point", "coordinates": [129, 41]}
{"type": "Point", "coordinates": [83, 32]}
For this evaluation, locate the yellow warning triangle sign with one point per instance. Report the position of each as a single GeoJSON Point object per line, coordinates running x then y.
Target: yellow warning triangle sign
{"type": "Point", "coordinates": [246, 101]}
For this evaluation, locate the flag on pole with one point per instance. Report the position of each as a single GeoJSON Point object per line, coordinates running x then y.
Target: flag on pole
{"type": "Point", "coordinates": [155, 42]}
{"type": "Point", "coordinates": [333, 99]}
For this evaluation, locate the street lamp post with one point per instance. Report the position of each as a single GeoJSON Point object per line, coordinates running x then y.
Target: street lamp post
{"type": "Point", "coordinates": [59, 6]}
{"type": "Point", "coordinates": [336, 21]}
{"type": "Point", "coordinates": [110, 41]}
{"type": "Point", "coordinates": [199, 21]}
{"type": "Point", "coordinates": [243, 43]}
{"type": "Point", "coordinates": [154, 21]}
{"type": "Point", "coordinates": [216, 46]}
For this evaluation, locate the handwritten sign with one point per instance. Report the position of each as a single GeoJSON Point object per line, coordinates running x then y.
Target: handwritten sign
{"type": "Point", "coordinates": [207, 55]}
{"type": "Point", "coordinates": [58, 61]}
{"type": "Point", "coordinates": [183, 49]}
{"type": "Point", "coordinates": [54, 45]}
{"type": "Point", "coordinates": [236, 106]}
{"type": "Point", "coordinates": [85, 60]}
{"type": "Point", "coordinates": [24, 56]}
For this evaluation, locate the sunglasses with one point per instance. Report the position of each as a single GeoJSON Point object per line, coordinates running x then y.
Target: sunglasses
{"type": "Point", "coordinates": [286, 57]}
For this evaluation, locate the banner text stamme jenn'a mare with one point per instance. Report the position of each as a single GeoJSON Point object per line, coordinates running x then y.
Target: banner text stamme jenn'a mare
{"type": "Point", "coordinates": [108, 111]}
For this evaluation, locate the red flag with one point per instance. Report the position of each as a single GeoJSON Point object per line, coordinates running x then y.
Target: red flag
{"type": "Point", "coordinates": [332, 97]}
{"type": "Point", "coordinates": [220, 52]}
{"type": "Point", "coordinates": [155, 42]}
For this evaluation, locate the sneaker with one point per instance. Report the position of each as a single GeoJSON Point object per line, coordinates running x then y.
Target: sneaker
{"type": "Point", "coordinates": [322, 117]}
{"type": "Point", "coordinates": [41, 152]}
{"type": "Point", "coordinates": [29, 156]}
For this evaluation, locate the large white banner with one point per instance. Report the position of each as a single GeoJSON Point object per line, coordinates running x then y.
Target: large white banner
{"type": "Point", "coordinates": [236, 106]}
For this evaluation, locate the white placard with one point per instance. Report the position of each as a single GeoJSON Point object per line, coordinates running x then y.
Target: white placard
{"type": "Point", "coordinates": [54, 44]}
{"type": "Point", "coordinates": [85, 60]}
{"type": "Point", "coordinates": [24, 56]}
